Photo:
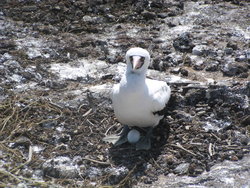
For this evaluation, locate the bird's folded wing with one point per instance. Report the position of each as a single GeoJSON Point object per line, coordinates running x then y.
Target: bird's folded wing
{"type": "Point", "coordinates": [160, 97]}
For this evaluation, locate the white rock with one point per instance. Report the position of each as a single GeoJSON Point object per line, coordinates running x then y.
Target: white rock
{"type": "Point", "coordinates": [199, 50]}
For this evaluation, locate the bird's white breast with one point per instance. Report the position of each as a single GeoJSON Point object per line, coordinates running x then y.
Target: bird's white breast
{"type": "Point", "coordinates": [133, 105]}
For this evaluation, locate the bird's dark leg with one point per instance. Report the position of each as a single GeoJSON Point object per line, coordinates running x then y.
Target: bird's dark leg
{"type": "Point", "coordinates": [145, 141]}
{"type": "Point", "coordinates": [123, 136]}
{"type": "Point", "coordinates": [118, 139]}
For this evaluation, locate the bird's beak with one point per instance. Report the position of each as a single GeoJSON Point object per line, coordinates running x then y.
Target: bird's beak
{"type": "Point", "coordinates": [137, 63]}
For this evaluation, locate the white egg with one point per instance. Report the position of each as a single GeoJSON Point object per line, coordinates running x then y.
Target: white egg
{"type": "Point", "coordinates": [133, 136]}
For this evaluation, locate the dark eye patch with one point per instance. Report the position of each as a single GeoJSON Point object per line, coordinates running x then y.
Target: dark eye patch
{"type": "Point", "coordinates": [143, 59]}
{"type": "Point", "coordinates": [131, 58]}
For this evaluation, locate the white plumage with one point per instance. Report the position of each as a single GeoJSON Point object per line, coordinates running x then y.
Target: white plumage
{"type": "Point", "coordinates": [136, 99]}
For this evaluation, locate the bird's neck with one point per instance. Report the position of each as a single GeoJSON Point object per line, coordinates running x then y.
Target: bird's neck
{"type": "Point", "coordinates": [133, 81]}
{"type": "Point", "coordinates": [135, 77]}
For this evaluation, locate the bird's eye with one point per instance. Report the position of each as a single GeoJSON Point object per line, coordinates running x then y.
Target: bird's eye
{"type": "Point", "coordinates": [131, 58]}
{"type": "Point", "coordinates": [142, 59]}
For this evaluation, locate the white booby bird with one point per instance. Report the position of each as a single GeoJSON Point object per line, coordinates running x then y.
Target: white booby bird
{"type": "Point", "coordinates": [137, 100]}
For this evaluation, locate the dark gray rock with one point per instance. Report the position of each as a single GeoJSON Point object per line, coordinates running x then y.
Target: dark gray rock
{"type": "Point", "coordinates": [229, 51]}
{"type": "Point", "coordinates": [148, 15]}
{"type": "Point", "coordinates": [5, 57]}
{"type": "Point", "coordinates": [159, 64]}
{"type": "Point", "coordinates": [158, 40]}
{"type": "Point", "coordinates": [241, 57]}
{"type": "Point", "coordinates": [162, 15]}
{"type": "Point", "coordinates": [234, 69]}
{"type": "Point", "coordinates": [197, 62]}
{"type": "Point", "coordinates": [243, 75]}
{"type": "Point", "coordinates": [183, 116]}
{"type": "Point", "coordinates": [199, 50]}
{"type": "Point", "coordinates": [212, 66]}
{"type": "Point", "coordinates": [184, 72]}
{"type": "Point", "coordinates": [184, 43]}
{"type": "Point", "coordinates": [248, 56]}
{"type": "Point", "coordinates": [173, 59]}
{"type": "Point", "coordinates": [232, 45]}
{"type": "Point", "coordinates": [7, 44]}
{"type": "Point", "coordinates": [157, 4]}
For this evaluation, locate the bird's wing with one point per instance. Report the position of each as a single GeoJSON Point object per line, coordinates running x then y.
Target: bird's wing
{"type": "Point", "coordinates": [115, 91]}
{"type": "Point", "coordinates": [160, 94]}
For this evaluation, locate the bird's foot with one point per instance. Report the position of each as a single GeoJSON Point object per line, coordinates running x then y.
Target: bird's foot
{"type": "Point", "coordinates": [118, 139]}
{"type": "Point", "coordinates": [145, 141]}
{"type": "Point", "coordinates": [143, 144]}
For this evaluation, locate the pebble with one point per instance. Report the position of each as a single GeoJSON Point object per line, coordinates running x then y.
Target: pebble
{"type": "Point", "coordinates": [92, 20]}
{"type": "Point", "coordinates": [158, 40]}
{"type": "Point", "coordinates": [248, 56]}
{"type": "Point", "coordinates": [173, 22]}
{"type": "Point", "coordinates": [162, 15]}
{"type": "Point", "coordinates": [201, 113]}
{"type": "Point", "coordinates": [229, 51]}
{"type": "Point", "coordinates": [182, 168]}
{"type": "Point", "coordinates": [234, 158]}
{"type": "Point", "coordinates": [199, 50]}
{"type": "Point", "coordinates": [175, 70]}
{"type": "Point", "coordinates": [197, 62]}
{"type": "Point", "coordinates": [212, 66]}
{"type": "Point", "coordinates": [241, 58]}
{"type": "Point", "coordinates": [184, 72]}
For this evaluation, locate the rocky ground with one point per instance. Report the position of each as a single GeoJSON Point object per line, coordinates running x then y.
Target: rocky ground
{"type": "Point", "coordinates": [59, 60]}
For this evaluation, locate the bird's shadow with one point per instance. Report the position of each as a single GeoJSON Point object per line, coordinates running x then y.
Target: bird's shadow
{"type": "Point", "coordinates": [136, 161]}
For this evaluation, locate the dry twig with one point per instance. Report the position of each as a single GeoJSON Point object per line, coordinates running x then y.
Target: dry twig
{"type": "Point", "coordinates": [96, 161]}
{"type": "Point", "coordinates": [178, 145]}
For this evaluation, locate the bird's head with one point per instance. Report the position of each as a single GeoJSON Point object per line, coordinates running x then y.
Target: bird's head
{"type": "Point", "coordinates": [138, 60]}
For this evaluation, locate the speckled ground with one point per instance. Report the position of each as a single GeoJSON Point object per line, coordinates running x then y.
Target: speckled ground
{"type": "Point", "coordinates": [59, 60]}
